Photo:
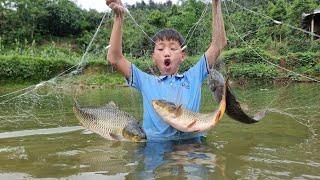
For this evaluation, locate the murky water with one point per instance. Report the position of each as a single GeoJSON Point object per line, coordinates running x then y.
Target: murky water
{"type": "Point", "coordinates": [40, 138]}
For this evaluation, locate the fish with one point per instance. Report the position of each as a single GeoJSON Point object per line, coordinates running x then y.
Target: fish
{"type": "Point", "coordinates": [216, 83]}
{"type": "Point", "coordinates": [110, 122]}
{"type": "Point", "coordinates": [235, 111]}
{"type": "Point", "coordinates": [233, 107]}
{"type": "Point", "coordinates": [185, 120]}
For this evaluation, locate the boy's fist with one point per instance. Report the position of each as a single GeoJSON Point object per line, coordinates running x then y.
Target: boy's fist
{"type": "Point", "coordinates": [116, 6]}
{"type": "Point", "coordinates": [108, 2]}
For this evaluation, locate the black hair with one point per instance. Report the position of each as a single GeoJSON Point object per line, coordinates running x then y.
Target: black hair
{"type": "Point", "coordinates": [169, 34]}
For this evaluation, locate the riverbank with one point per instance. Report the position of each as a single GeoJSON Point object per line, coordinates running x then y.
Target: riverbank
{"type": "Point", "coordinates": [240, 64]}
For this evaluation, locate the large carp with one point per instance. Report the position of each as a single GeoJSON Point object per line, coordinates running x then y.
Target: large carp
{"type": "Point", "coordinates": [110, 122]}
{"type": "Point", "coordinates": [188, 121]}
{"type": "Point", "coordinates": [233, 107]}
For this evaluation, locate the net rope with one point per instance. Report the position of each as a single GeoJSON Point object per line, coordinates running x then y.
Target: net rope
{"type": "Point", "coordinates": [25, 114]}
{"type": "Point", "coordinates": [277, 98]}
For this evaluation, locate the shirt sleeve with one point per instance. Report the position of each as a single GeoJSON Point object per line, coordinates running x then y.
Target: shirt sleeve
{"type": "Point", "coordinates": [136, 77]}
{"type": "Point", "coordinates": [200, 70]}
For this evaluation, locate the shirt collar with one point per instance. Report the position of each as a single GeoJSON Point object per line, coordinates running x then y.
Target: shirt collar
{"type": "Point", "coordinates": [161, 78]}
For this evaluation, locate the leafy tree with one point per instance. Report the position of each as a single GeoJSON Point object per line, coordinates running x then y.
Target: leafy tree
{"type": "Point", "coordinates": [22, 16]}
{"type": "Point", "coordinates": [65, 18]}
{"type": "Point", "coordinates": [279, 12]}
{"type": "Point", "coordinates": [298, 8]}
{"type": "Point", "coordinates": [157, 18]}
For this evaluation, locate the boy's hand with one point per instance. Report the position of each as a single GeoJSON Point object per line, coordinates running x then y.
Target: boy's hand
{"type": "Point", "coordinates": [116, 6]}
{"type": "Point", "coordinates": [215, 2]}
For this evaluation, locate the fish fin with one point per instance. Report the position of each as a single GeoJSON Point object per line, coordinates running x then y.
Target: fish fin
{"type": "Point", "coordinates": [114, 137]}
{"type": "Point", "coordinates": [178, 110]}
{"type": "Point", "coordinates": [259, 115]}
{"type": "Point", "coordinates": [111, 104]}
{"type": "Point", "coordinates": [218, 117]}
{"type": "Point", "coordinates": [196, 131]}
{"type": "Point", "coordinates": [193, 122]}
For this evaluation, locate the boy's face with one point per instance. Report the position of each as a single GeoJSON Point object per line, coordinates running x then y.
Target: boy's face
{"type": "Point", "coordinates": [167, 55]}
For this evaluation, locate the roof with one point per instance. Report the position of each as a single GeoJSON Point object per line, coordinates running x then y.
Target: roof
{"type": "Point", "coordinates": [315, 12]}
{"type": "Point", "coordinates": [306, 18]}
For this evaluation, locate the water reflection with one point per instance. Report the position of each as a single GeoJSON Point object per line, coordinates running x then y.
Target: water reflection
{"type": "Point", "coordinates": [188, 158]}
{"type": "Point", "coordinates": [165, 159]}
{"type": "Point", "coordinates": [109, 158]}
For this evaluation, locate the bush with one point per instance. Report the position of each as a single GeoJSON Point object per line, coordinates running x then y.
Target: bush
{"type": "Point", "coordinates": [143, 63]}
{"type": "Point", "coordinates": [302, 59]}
{"type": "Point", "coordinates": [190, 61]}
{"type": "Point", "coordinates": [21, 68]}
{"type": "Point", "coordinates": [247, 55]}
{"type": "Point", "coordinates": [253, 71]}
{"type": "Point", "coordinates": [102, 79]}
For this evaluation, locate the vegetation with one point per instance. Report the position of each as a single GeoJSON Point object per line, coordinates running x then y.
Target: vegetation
{"type": "Point", "coordinates": [41, 38]}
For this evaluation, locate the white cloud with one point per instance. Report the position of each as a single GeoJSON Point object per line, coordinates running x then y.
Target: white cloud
{"type": "Point", "coordinates": [100, 5]}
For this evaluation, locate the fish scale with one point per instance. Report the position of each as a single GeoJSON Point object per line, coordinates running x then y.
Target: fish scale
{"type": "Point", "coordinates": [187, 121]}
{"type": "Point", "coordinates": [190, 121]}
{"type": "Point", "coordinates": [110, 122]}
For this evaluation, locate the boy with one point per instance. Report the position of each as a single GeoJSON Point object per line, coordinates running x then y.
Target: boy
{"type": "Point", "coordinates": [170, 86]}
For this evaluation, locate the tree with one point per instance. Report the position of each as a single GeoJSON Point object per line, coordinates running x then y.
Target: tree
{"type": "Point", "coordinates": [157, 18]}
{"type": "Point", "coordinates": [279, 12]}
{"type": "Point", "coordinates": [298, 8]}
{"type": "Point", "coordinates": [65, 18]}
{"type": "Point", "coordinates": [22, 16]}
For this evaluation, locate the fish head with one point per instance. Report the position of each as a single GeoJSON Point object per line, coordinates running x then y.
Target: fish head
{"type": "Point", "coordinates": [216, 83]}
{"type": "Point", "coordinates": [134, 132]}
{"type": "Point", "coordinates": [165, 108]}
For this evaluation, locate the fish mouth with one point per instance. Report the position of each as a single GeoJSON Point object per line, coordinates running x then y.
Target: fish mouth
{"type": "Point", "coordinates": [167, 62]}
{"type": "Point", "coordinates": [134, 132]}
{"type": "Point", "coordinates": [138, 139]}
{"type": "Point", "coordinates": [158, 104]}
{"type": "Point", "coordinates": [141, 137]}
{"type": "Point", "coordinates": [154, 103]}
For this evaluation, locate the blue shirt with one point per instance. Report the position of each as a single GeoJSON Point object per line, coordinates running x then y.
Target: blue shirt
{"type": "Point", "coordinates": [182, 89]}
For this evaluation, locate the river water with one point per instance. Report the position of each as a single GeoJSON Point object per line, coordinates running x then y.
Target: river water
{"type": "Point", "coordinates": [41, 138]}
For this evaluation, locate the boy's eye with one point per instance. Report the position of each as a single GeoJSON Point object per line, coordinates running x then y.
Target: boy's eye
{"type": "Point", "coordinates": [160, 49]}
{"type": "Point", "coordinates": [174, 49]}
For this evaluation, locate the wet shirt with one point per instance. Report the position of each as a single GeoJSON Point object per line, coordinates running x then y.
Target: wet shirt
{"type": "Point", "coordinates": [182, 89]}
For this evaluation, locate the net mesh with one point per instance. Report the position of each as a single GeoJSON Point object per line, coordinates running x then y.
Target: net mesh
{"type": "Point", "coordinates": [49, 104]}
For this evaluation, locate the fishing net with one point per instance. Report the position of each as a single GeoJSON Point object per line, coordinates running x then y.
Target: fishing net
{"type": "Point", "coordinates": [49, 103]}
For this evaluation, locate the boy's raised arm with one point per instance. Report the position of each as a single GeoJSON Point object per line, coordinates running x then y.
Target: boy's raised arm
{"type": "Point", "coordinates": [115, 56]}
{"type": "Point", "coordinates": [219, 39]}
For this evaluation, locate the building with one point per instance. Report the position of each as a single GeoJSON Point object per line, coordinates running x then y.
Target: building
{"type": "Point", "coordinates": [311, 22]}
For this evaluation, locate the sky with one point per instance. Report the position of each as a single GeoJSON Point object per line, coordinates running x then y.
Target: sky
{"type": "Point", "coordinates": [100, 5]}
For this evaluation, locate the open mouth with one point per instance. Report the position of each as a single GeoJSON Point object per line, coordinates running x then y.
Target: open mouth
{"type": "Point", "coordinates": [167, 62]}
